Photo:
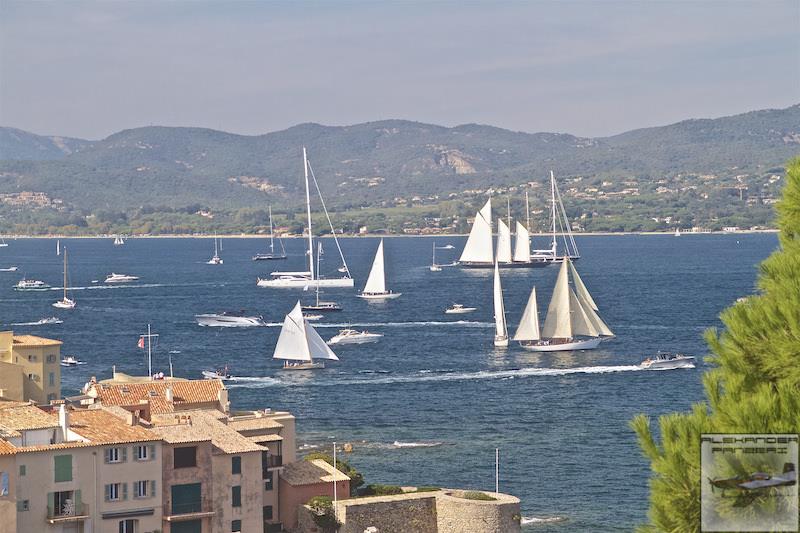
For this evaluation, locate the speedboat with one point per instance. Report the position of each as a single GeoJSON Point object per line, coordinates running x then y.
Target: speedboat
{"type": "Point", "coordinates": [9, 269]}
{"type": "Point", "coordinates": [65, 303]}
{"type": "Point", "coordinates": [50, 320]}
{"type": "Point", "coordinates": [667, 361]}
{"type": "Point", "coordinates": [435, 268]}
{"type": "Point", "coordinates": [31, 285]}
{"type": "Point", "coordinates": [228, 319]}
{"type": "Point", "coordinates": [447, 247]}
{"type": "Point", "coordinates": [70, 360]}
{"type": "Point", "coordinates": [312, 316]}
{"type": "Point", "coordinates": [120, 278]}
{"type": "Point", "coordinates": [352, 336]}
{"type": "Point", "coordinates": [458, 309]}
{"type": "Point", "coordinates": [220, 373]}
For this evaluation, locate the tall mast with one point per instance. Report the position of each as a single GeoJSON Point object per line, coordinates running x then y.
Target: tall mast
{"type": "Point", "coordinates": [271, 243]}
{"type": "Point", "coordinates": [308, 213]}
{"type": "Point", "coordinates": [65, 274]}
{"type": "Point", "coordinates": [508, 212]}
{"type": "Point", "coordinates": [553, 208]}
{"type": "Point", "coordinates": [527, 213]}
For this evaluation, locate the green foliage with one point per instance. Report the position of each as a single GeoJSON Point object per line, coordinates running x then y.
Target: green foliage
{"type": "Point", "coordinates": [477, 495]}
{"type": "Point", "coordinates": [374, 489]}
{"type": "Point", "coordinates": [356, 478]}
{"type": "Point", "coordinates": [322, 509]}
{"type": "Point", "coordinates": [754, 386]}
{"type": "Point", "coordinates": [427, 489]}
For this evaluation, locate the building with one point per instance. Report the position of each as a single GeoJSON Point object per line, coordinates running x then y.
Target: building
{"type": "Point", "coordinates": [30, 368]}
{"type": "Point", "coordinates": [73, 471]}
{"type": "Point", "coordinates": [303, 480]}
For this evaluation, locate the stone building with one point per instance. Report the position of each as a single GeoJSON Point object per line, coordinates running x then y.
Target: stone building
{"type": "Point", "coordinates": [30, 368]}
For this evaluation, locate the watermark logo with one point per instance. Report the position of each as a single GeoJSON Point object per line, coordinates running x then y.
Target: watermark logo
{"type": "Point", "coordinates": [749, 482]}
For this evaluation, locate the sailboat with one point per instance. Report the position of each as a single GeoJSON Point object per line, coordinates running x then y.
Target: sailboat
{"type": "Point", "coordinates": [572, 322]}
{"type": "Point", "coordinates": [478, 251]}
{"type": "Point", "coordinates": [559, 224]}
{"type": "Point", "coordinates": [500, 328]}
{"type": "Point", "coordinates": [310, 277]}
{"type": "Point", "coordinates": [216, 260]}
{"type": "Point", "coordinates": [271, 255]}
{"type": "Point", "coordinates": [434, 267]}
{"type": "Point", "coordinates": [118, 241]}
{"type": "Point", "coordinates": [299, 345]}
{"type": "Point", "coordinates": [3, 243]}
{"type": "Point", "coordinates": [677, 232]}
{"type": "Point", "coordinates": [65, 303]}
{"type": "Point", "coordinates": [375, 288]}
{"type": "Point", "coordinates": [58, 247]}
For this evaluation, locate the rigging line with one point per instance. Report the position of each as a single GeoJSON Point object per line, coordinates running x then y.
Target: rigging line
{"type": "Point", "coordinates": [567, 227]}
{"type": "Point", "coordinates": [333, 231]}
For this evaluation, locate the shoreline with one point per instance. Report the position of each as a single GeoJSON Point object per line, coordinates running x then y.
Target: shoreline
{"type": "Point", "coordinates": [373, 235]}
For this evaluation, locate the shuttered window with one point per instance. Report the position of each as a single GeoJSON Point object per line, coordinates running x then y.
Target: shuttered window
{"type": "Point", "coordinates": [63, 468]}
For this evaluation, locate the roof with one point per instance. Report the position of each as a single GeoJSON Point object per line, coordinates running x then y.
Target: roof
{"type": "Point", "coordinates": [311, 473]}
{"type": "Point", "coordinates": [199, 391]}
{"type": "Point", "coordinates": [264, 438]}
{"type": "Point", "coordinates": [254, 423]}
{"type": "Point", "coordinates": [202, 425]}
{"type": "Point", "coordinates": [23, 417]}
{"type": "Point", "coordinates": [33, 340]}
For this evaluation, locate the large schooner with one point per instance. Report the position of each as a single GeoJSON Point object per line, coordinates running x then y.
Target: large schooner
{"type": "Point", "coordinates": [572, 322]}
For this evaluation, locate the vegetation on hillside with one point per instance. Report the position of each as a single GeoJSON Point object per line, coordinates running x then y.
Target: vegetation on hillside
{"type": "Point", "coordinates": [753, 387]}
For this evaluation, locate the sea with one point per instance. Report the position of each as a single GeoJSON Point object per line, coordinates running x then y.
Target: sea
{"type": "Point", "coordinates": [433, 399]}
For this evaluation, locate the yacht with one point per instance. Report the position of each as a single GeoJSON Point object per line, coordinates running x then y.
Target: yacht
{"type": "Point", "coordinates": [49, 320]}
{"type": "Point", "coordinates": [120, 278]}
{"type": "Point", "coordinates": [667, 361]}
{"type": "Point", "coordinates": [220, 373]}
{"type": "Point", "coordinates": [215, 259]}
{"type": "Point", "coordinates": [9, 269]}
{"type": "Point", "coordinates": [458, 309]}
{"type": "Point", "coordinates": [352, 336]}
{"type": "Point", "coordinates": [271, 256]}
{"type": "Point", "coordinates": [31, 285]}
{"type": "Point", "coordinates": [312, 316]}
{"type": "Point", "coordinates": [228, 319]}
{"type": "Point", "coordinates": [70, 360]}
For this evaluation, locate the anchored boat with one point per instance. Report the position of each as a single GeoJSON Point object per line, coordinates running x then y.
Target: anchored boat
{"type": "Point", "coordinates": [65, 302]}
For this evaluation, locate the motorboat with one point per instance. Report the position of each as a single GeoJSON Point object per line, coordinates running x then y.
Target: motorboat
{"type": "Point", "coordinates": [228, 319]}
{"type": "Point", "coordinates": [667, 361]}
{"type": "Point", "coordinates": [220, 373]}
{"type": "Point", "coordinates": [31, 285]}
{"type": "Point", "coordinates": [312, 316]}
{"type": "Point", "coordinates": [70, 360]}
{"type": "Point", "coordinates": [49, 320]}
{"type": "Point", "coordinates": [9, 269]}
{"type": "Point", "coordinates": [457, 309]}
{"type": "Point", "coordinates": [352, 336]}
{"type": "Point", "coordinates": [120, 278]}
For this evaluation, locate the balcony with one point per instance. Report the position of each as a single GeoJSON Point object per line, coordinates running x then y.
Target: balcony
{"type": "Point", "coordinates": [274, 461]}
{"type": "Point", "coordinates": [178, 512]}
{"type": "Point", "coordinates": [67, 513]}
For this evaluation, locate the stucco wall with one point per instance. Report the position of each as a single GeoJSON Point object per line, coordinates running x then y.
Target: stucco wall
{"type": "Point", "coordinates": [292, 497]}
{"type": "Point", "coordinates": [394, 515]}
{"type": "Point", "coordinates": [249, 480]}
{"type": "Point", "coordinates": [198, 474]}
{"type": "Point", "coordinates": [455, 515]}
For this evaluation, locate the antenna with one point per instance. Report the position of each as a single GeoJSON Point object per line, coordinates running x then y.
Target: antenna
{"type": "Point", "coordinates": [497, 470]}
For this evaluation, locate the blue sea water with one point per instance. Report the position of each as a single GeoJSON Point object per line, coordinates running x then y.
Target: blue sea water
{"type": "Point", "coordinates": [429, 403]}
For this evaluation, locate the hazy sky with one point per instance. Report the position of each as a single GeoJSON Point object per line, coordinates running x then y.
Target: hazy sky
{"type": "Point", "coordinates": [88, 69]}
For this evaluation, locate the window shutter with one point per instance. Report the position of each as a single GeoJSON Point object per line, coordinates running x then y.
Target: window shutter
{"type": "Point", "coordinates": [107, 455]}
{"type": "Point", "coordinates": [152, 450]}
{"type": "Point", "coordinates": [108, 492]}
{"type": "Point", "coordinates": [124, 454]}
{"type": "Point", "coordinates": [77, 496]}
{"type": "Point", "coordinates": [124, 491]}
{"type": "Point", "coordinates": [51, 502]}
{"type": "Point", "coordinates": [153, 488]}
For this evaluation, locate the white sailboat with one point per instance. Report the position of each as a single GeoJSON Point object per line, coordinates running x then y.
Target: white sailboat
{"type": "Point", "coordinates": [434, 267]}
{"type": "Point", "coordinates": [572, 322]}
{"type": "Point", "coordinates": [479, 252]}
{"type": "Point", "coordinates": [118, 241]}
{"type": "Point", "coordinates": [503, 242]}
{"type": "Point", "coordinates": [500, 328]}
{"type": "Point", "coordinates": [677, 232]}
{"type": "Point", "coordinates": [271, 256]}
{"type": "Point", "coordinates": [216, 259]}
{"type": "Point", "coordinates": [3, 243]}
{"type": "Point", "coordinates": [310, 277]}
{"type": "Point", "coordinates": [375, 288]}
{"type": "Point", "coordinates": [522, 245]}
{"type": "Point", "coordinates": [58, 247]}
{"type": "Point", "coordinates": [65, 302]}
{"type": "Point", "coordinates": [559, 224]}
{"type": "Point", "coordinates": [299, 345]}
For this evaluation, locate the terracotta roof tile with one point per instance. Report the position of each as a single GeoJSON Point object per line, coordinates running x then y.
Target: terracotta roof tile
{"type": "Point", "coordinates": [26, 416]}
{"type": "Point", "coordinates": [33, 340]}
{"type": "Point", "coordinates": [199, 391]}
{"type": "Point", "coordinates": [204, 425]}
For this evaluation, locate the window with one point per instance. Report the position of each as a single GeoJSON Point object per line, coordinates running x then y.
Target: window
{"type": "Point", "coordinates": [64, 503]}
{"type": "Point", "coordinates": [236, 496]}
{"type": "Point", "coordinates": [268, 481]}
{"type": "Point", "coordinates": [185, 457]}
{"type": "Point", "coordinates": [51, 397]}
{"type": "Point", "coordinates": [3, 483]}
{"type": "Point", "coordinates": [145, 452]}
{"type": "Point", "coordinates": [31, 358]}
{"type": "Point", "coordinates": [116, 492]}
{"type": "Point", "coordinates": [51, 379]}
{"type": "Point", "coordinates": [128, 526]}
{"type": "Point", "coordinates": [116, 455]}
{"type": "Point", "coordinates": [236, 464]}
{"type": "Point", "coordinates": [51, 358]}
{"type": "Point", "coordinates": [141, 489]}
{"type": "Point", "coordinates": [33, 377]}
{"type": "Point", "coordinates": [23, 505]}
{"type": "Point", "coordinates": [22, 470]}
{"type": "Point", "coordinates": [63, 467]}
{"type": "Point", "coordinates": [236, 526]}
{"type": "Point", "coordinates": [267, 512]}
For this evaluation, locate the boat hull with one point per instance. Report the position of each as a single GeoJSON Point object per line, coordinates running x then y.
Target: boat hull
{"type": "Point", "coordinates": [302, 366]}
{"type": "Point", "coordinates": [354, 340]}
{"type": "Point", "coordinates": [228, 322]}
{"type": "Point", "coordinates": [687, 362]}
{"type": "Point", "coordinates": [586, 344]}
{"type": "Point", "coordinates": [461, 311]}
{"type": "Point", "coordinates": [64, 304]}
{"type": "Point", "coordinates": [380, 296]}
{"type": "Point", "coordinates": [305, 283]}
{"type": "Point", "coordinates": [516, 264]}
{"type": "Point", "coordinates": [501, 341]}
{"type": "Point", "coordinates": [320, 309]}
{"type": "Point", "coordinates": [268, 257]}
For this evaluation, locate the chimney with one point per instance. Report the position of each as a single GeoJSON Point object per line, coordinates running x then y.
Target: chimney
{"type": "Point", "coordinates": [63, 421]}
{"type": "Point", "coordinates": [169, 393]}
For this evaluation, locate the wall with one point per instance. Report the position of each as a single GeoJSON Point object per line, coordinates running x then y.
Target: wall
{"type": "Point", "coordinates": [39, 389]}
{"type": "Point", "coordinates": [455, 515]}
{"type": "Point", "coordinates": [202, 473]}
{"type": "Point", "coordinates": [250, 512]}
{"type": "Point", "coordinates": [11, 381]}
{"type": "Point", "coordinates": [391, 514]}
{"type": "Point", "coordinates": [291, 497]}
{"type": "Point", "coordinates": [8, 504]}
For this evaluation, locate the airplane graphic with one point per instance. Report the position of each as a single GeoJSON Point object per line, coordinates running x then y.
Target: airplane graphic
{"type": "Point", "coordinates": [757, 481]}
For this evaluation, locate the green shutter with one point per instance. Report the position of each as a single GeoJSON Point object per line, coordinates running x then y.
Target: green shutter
{"type": "Point", "coordinates": [63, 467]}
{"type": "Point", "coordinates": [51, 503]}
{"type": "Point", "coordinates": [78, 502]}
{"type": "Point", "coordinates": [124, 454]}
{"type": "Point", "coordinates": [124, 491]}
{"type": "Point", "coordinates": [153, 488]}
{"type": "Point", "coordinates": [152, 450]}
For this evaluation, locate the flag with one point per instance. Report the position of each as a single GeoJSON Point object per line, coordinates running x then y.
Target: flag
{"type": "Point", "coordinates": [141, 343]}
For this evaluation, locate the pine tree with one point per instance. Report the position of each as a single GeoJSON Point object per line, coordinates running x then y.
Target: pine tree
{"type": "Point", "coordinates": [754, 386]}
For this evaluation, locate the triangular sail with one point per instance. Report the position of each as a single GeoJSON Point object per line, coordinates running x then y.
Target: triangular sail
{"type": "Point", "coordinates": [293, 342]}
{"type": "Point", "coordinates": [376, 282]}
{"type": "Point", "coordinates": [503, 242]}
{"type": "Point", "coordinates": [317, 346]}
{"type": "Point", "coordinates": [522, 246]}
{"type": "Point", "coordinates": [594, 318]}
{"type": "Point", "coordinates": [557, 324]}
{"type": "Point", "coordinates": [499, 309]}
{"type": "Point", "coordinates": [528, 329]}
{"type": "Point", "coordinates": [581, 323]}
{"type": "Point", "coordinates": [580, 288]}
{"type": "Point", "coordinates": [479, 244]}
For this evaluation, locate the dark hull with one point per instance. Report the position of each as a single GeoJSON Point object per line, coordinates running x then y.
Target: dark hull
{"type": "Point", "coordinates": [319, 309]}
{"type": "Point", "coordinates": [532, 264]}
{"type": "Point", "coordinates": [268, 257]}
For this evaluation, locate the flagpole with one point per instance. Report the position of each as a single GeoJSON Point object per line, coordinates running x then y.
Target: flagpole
{"type": "Point", "coordinates": [497, 470]}
{"type": "Point", "coordinates": [149, 353]}
{"type": "Point", "coordinates": [334, 482]}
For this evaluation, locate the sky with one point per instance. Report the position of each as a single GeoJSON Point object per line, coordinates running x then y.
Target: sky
{"type": "Point", "coordinates": [590, 68]}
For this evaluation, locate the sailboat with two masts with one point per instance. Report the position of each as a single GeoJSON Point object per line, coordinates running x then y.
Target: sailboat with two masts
{"type": "Point", "coordinates": [310, 277]}
{"type": "Point", "coordinates": [375, 288]}
{"type": "Point", "coordinates": [271, 256]}
{"type": "Point", "coordinates": [299, 345]}
{"type": "Point", "coordinates": [572, 321]}
{"type": "Point", "coordinates": [216, 259]}
{"type": "Point", "coordinates": [559, 223]}
{"type": "Point", "coordinates": [65, 302]}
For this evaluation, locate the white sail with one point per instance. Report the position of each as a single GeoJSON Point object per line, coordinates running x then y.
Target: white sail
{"type": "Point", "coordinates": [376, 282]}
{"type": "Point", "coordinates": [318, 348]}
{"type": "Point", "coordinates": [594, 318]}
{"type": "Point", "coordinates": [522, 246]}
{"type": "Point", "coordinates": [293, 342]}
{"type": "Point", "coordinates": [558, 324]}
{"type": "Point", "coordinates": [580, 288]}
{"type": "Point", "coordinates": [499, 310]}
{"type": "Point", "coordinates": [580, 321]}
{"type": "Point", "coordinates": [479, 244]}
{"type": "Point", "coordinates": [528, 329]}
{"type": "Point", "coordinates": [503, 242]}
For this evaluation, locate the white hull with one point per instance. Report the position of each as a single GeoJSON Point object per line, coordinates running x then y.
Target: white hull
{"type": "Point", "coordinates": [540, 346]}
{"type": "Point", "coordinates": [9, 269]}
{"type": "Point", "coordinates": [120, 278]}
{"type": "Point", "coordinates": [222, 321]}
{"type": "Point", "coordinates": [380, 296]}
{"type": "Point", "coordinates": [355, 339]}
{"type": "Point", "coordinates": [668, 364]}
{"type": "Point", "coordinates": [214, 262]}
{"type": "Point", "coordinates": [66, 303]}
{"type": "Point", "coordinates": [435, 268]}
{"type": "Point", "coordinates": [302, 366]}
{"type": "Point", "coordinates": [460, 311]}
{"type": "Point", "coordinates": [501, 342]}
{"type": "Point", "coordinates": [300, 283]}
{"type": "Point", "coordinates": [207, 374]}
